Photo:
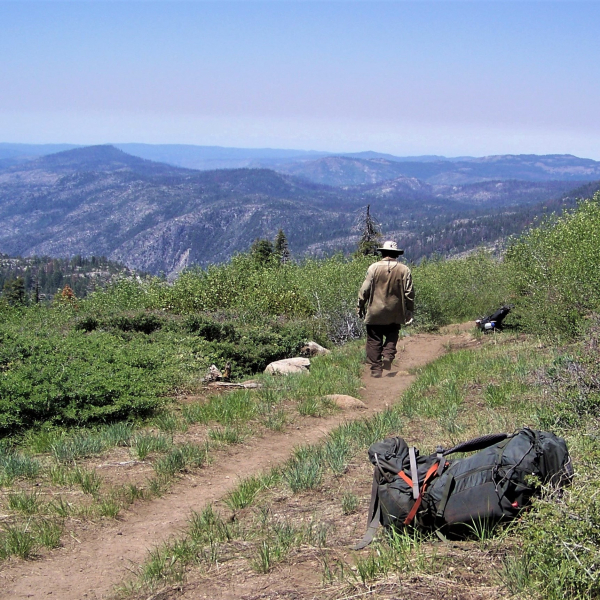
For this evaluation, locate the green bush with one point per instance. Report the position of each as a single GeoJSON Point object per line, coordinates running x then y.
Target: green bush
{"type": "Point", "coordinates": [450, 291]}
{"type": "Point", "coordinates": [78, 378]}
{"type": "Point", "coordinates": [560, 550]}
{"type": "Point", "coordinates": [554, 268]}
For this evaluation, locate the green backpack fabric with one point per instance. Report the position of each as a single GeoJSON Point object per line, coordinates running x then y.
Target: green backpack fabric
{"type": "Point", "coordinates": [433, 493]}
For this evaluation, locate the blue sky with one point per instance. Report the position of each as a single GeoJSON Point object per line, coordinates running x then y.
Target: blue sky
{"type": "Point", "coordinates": [409, 78]}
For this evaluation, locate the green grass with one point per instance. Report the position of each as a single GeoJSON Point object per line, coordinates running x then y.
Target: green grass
{"type": "Point", "coordinates": [79, 446]}
{"type": "Point", "coordinates": [88, 480]}
{"type": "Point", "coordinates": [109, 507]}
{"type": "Point", "coordinates": [144, 444]}
{"type": "Point", "coordinates": [244, 494]}
{"type": "Point", "coordinates": [17, 540]}
{"type": "Point", "coordinates": [170, 464]}
{"type": "Point", "coordinates": [179, 459]}
{"type": "Point", "coordinates": [272, 418]}
{"type": "Point", "coordinates": [304, 471]}
{"type": "Point", "coordinates": [468, 393]}
{"type": "Point", "coordinates": [48, 532]}
{"type": "Point", "coordinates": [169, 423]}
{"type": "Point", "coordinates": [226, 435]}
{"type": "Point", "coordinates": [27, 503]}
{"type": "Point", "coordinates": [117, 434]}
{"type": "Point", "coordinates": [60, 507]}
{"type": "Point", "coordinates": [15, 466]}
{"type": "Point", "coordinates": [349, 503]}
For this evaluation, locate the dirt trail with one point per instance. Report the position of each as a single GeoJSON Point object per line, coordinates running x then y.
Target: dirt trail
{"type": "Point", "coordinates": [91, 565]}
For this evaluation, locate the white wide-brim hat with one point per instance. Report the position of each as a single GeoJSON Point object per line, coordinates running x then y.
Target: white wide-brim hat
{"type": "Point", "coordinates": [390, 246]}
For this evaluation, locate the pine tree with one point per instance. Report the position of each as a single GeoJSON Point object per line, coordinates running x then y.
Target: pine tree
{"type": "Point", "coordinates": [281, 247]}
{"type": "Point", "coordinates": [262, 251]}
{"type": "Point", "coordinates": [370, 238]}
{"type": "Point", "coordinates": [14, 291]}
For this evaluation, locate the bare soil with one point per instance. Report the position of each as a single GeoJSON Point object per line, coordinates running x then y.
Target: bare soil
{"type": "Point", "coordinates": [99, 556]}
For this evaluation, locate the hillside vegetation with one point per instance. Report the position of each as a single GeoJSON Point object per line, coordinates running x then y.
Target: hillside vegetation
{"type": "Point", "coordinates": [153, 337]}
{"type": "Point", "coordinates": [80, 375]}
{"type": "Point", "coordinates": [548, 379]}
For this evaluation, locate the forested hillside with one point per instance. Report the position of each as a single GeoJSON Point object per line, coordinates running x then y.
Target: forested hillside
{"type": "Point", "coordinates": [100, 201]}
{"type": "Point", "coordinates": [39, 278]}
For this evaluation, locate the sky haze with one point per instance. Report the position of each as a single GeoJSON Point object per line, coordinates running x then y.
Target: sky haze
{"type": "Point", "coordinates": [409, 78]}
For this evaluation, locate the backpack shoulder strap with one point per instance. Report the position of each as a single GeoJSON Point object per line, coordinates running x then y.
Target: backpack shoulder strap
{"type": "Point", "coordinates": [477, 443]}
{"type": "Point", "coordinates": [374, 518]}
{"type": "Point", "coordinates": [414, 472]}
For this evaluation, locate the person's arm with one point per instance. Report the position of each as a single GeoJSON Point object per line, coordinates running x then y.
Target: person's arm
{"type": "Point", "coordinates": [364, 294]}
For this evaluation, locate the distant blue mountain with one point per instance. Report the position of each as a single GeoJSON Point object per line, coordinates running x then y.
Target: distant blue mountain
{"type": "Point", "coordinates": [343, 169]}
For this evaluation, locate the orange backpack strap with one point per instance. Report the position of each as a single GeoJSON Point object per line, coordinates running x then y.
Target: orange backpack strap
{"type": "Point", "coordinates": [431, 473]}
{"type": "Point", "coordinates": [406, 478]}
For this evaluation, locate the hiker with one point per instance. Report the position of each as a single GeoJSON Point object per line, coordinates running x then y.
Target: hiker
{"type": "Point", "coordinates": [385, 301]}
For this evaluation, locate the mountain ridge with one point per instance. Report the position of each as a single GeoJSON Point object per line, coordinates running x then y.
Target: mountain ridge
{"type": "Point", "coordinates": [160, 218]}
{"type": "Point", "coordinates": [434, 169]}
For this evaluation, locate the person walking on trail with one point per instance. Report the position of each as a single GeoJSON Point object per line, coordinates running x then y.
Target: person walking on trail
{"type": "Point", "coordinates": [386, 302]}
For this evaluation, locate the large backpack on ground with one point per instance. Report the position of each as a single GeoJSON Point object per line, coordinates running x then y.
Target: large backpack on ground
{"type": "Point", "coordinates": [495, 320]}
{"type": "Point", "coordinates": [434, 493]}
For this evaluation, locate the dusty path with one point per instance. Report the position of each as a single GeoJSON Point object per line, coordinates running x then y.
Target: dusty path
{"type": "Point", "coordinates": [91, 565]}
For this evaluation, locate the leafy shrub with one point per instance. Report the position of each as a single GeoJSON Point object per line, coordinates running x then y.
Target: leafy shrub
{"type": "Point", "coordinates": [560, 550]}
{"type": "Point", "coordinates": [87, 323]}
{"type": "Point", "coordinates": [448, 291]}
{"type": "Point", "coordinates": [142, 322]}
{"type": "Point", "coordinates": [209, 329]}
{"type": "Point", "coordinates": [81, 378]}
{"type": "Point", "coordinates": [555, 272]}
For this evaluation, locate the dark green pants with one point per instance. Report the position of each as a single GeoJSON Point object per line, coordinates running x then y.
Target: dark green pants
{"type": "Point", "coordinates": [381, 344]}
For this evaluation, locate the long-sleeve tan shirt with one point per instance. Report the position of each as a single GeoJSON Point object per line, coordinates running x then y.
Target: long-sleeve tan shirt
{"type": "Point", "coordinates": [387, 293]}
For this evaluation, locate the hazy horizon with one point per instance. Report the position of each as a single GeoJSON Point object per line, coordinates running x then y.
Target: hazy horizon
{"type": "Point", "coordinates": [273, 149]}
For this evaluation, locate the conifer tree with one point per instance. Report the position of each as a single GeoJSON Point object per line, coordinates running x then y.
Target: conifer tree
{"type": "Point", "coordinates": [281, 247]}
{"type": "Point", "coordinates": [14, 291]}
{"type": "Point", "coordinates": [370, 237]}
{"type": "Point", "coordinates": [262, 251]}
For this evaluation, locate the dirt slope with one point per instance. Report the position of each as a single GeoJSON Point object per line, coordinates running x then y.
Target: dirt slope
{"type": "Point", "coordinates": [91, 565]}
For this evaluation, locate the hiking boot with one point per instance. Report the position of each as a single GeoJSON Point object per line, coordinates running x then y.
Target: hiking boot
{"type": "Point", "coordinates": [387, 363]}
{"type": "Point", "coordinates": [377, 374]}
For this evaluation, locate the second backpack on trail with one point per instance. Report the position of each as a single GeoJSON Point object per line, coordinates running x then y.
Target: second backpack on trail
{"type": "Point", "coordinates": [434, 493]}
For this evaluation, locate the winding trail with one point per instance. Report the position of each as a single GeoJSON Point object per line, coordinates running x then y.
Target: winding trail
{"type": "Point", "coordinates": [103, 555]}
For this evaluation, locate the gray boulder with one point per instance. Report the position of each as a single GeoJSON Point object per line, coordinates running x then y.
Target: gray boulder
{"type": "Point", "coordinates": [288, 366]}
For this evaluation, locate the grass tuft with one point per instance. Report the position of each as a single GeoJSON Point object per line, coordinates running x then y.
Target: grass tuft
{"type": "Point", "coordinates": [48, 533]}
{"type": "Point", "coordinates": [27, 503]}
{"type": "Point", "coordinates": [144, 444]}
{"type": "Point", "coordinates": [17, 540]}
{"type": "Point", "coordinates": [16, 466]}
{"type": "Point", "coordinates": [349, 503]}
{"type": "Point", "coordinates": [244, 494]}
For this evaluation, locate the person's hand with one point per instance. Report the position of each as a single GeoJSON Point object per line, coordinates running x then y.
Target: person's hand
{"type": "Point", "coordinates": [408, 317]}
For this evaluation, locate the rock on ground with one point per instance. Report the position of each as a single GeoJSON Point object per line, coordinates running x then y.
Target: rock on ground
{"type": "Point", "coordinates": [345, 402]}
{"type": "Point", "coordinates": [288, 365]}
{"type": "Point", "coordinates": [313, 349]}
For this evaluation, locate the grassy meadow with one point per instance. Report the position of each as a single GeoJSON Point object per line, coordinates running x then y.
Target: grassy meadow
{"type": "Point", "coordinates": [118, 378]}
